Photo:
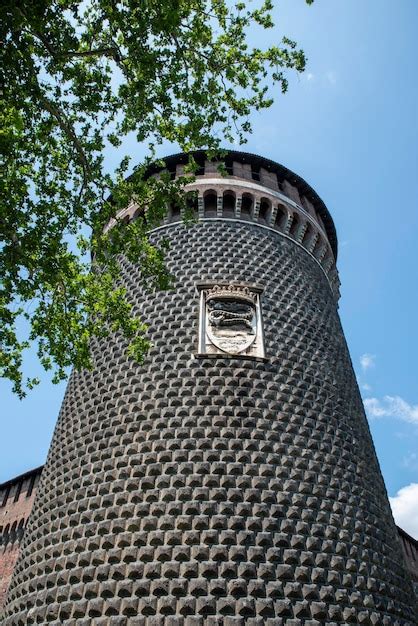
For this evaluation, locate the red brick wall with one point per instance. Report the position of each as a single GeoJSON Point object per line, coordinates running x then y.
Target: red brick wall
{"type": "Point", "coordinates": [7, 562]}
{"type": "Point", "coordinates": [16, 500]}
{"type": "Point", "coordinates": [410, 552]}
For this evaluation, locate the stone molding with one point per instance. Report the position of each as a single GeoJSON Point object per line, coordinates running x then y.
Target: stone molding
{"type": "Point", "coordinates": [226, 184]}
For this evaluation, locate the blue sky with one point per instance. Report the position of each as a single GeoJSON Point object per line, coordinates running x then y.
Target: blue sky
{"type": "Point", "coordinates": [349, 126]}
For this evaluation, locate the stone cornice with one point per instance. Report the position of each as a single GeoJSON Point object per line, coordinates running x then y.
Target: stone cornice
{"type": "Point", "coordinates": [231, 182]}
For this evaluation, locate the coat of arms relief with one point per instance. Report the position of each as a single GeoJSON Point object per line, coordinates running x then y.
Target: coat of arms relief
{"type": "Point", "coordinates": [230, 320]}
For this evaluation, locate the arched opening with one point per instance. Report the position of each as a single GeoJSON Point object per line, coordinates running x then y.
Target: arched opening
{"type": "Point", "coordinates": [326, 259]}
{"type": "Point", "coordinates": [210, 202]}
{"type": "Point", "coordinates": [6, 496]}
{"type": "Point", "coordinates": [192, 205]}
{"type": "Point", "coordinates": [317, 247]}
{"type": "Point", "coordinates": [174, 214]}
{"type": "Point", "coordinates": [5, 538]}
{"type": "Point", "coordinates": [229, 204]}
{"type": "Point", "coordinates": [264, 213]}
{"type": "Point", "coordinates": [247, 205]}
{"type": "Point", "coordinates": [308, 234]}
{"type": "Point", "coordinates": [294, 228]}
{"type": "Point", "coordinates": [12, 535]}
{"type": "Point", "coordinates": [281, 217]}
{"type": "Point", "coordinates": [138, 213]}
{"type": "Point", "coordinates": [20, 529]}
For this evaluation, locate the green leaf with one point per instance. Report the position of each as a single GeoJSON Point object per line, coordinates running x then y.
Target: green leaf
{"type": "Point", "coordinates": [78, 77]}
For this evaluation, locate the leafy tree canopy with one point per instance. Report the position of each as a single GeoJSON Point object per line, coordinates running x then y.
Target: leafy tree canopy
{"type": "Point", "coordinates": [79, 77]}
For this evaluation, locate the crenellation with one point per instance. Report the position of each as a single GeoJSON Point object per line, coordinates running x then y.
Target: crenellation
{"type": "Point", "coordinates": [308, 206]}
{"type": "Point", "coordinates": [179, 170]}
{"type": "Point", "coordinates": [268, 179]}
{"type": "Point", "coordinates": [242, 170]}
{"type": "Point", "coordinates": [211, 167]}
{"type": "Point", "coordinates": [246, 174]}
{"type": "Point", "coordinates": [291, 191]}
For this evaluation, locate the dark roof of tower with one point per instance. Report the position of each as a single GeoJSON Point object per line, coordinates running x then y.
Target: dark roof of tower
{"type": "Point", "coordinates": [282, 172]}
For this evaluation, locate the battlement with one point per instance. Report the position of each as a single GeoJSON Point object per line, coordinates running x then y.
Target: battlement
{"type": "Point", "coordinates": [257, 190]}
{"type": "Point", "coordinates": [259, 172]}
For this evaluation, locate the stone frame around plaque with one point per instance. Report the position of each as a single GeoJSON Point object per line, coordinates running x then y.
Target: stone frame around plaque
{"type": "Point", "coordinates": [230, 320]}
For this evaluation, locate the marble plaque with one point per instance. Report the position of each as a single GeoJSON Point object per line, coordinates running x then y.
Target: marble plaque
{"type": "Point", "coordinates": [230, 320]}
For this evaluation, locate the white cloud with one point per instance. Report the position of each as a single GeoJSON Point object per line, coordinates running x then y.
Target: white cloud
{"type": "Point", "coordinates": [367, 361]}
{"type": "Point", "coordinates": [405, 509]}
{"type": "Point", "coordinates": [392, 406]}
{"type": "Point", "coordinates": [366, 387]}
{"type": "Point", "coordinates": [374, 408]}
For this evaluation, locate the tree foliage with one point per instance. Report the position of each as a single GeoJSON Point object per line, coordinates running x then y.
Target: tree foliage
{"type": "Point", "coordinates": [77, 78]}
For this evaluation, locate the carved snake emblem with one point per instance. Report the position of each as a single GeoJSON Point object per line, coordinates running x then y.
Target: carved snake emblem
{"type": "Point", "coordinates": [223, 317]}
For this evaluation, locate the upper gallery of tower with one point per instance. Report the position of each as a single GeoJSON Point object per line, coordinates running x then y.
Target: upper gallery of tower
{"type": "Point", "coordinates": [255, 189]}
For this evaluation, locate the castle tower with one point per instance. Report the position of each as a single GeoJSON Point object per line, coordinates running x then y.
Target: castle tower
{"type": "Point", "coordinates": [231, 479]}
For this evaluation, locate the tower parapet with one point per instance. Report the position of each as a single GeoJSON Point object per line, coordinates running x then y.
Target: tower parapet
{"type": "Point", "coordinates": [261, 191]}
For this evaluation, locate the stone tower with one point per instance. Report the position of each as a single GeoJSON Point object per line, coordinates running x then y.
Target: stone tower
{"type": "Point", "coordinates": [232, 478]}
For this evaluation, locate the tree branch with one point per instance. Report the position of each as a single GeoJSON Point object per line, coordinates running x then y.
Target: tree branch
{"type": "Point", "coordinates": [67, 128]}
{"type": "Point", "coordinates": [111, 51]}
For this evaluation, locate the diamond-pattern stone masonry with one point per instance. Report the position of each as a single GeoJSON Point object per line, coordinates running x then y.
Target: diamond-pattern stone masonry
{"type": "Point", "coordinates": [220, 491]}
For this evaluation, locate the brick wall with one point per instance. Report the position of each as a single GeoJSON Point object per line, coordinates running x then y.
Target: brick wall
{"type": "Point", "coordinates": [410, 552]}
{"type": "Point", "coordinates": [16, 500]}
